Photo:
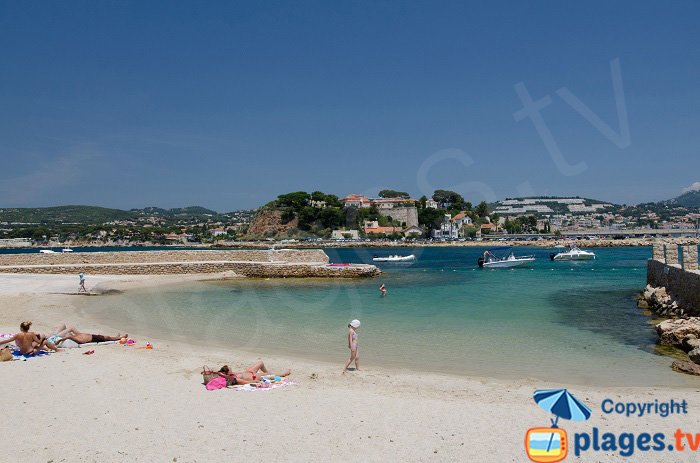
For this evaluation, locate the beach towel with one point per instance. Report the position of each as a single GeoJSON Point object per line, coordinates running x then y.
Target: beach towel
{"type": "Point", "coordinates": [263, 386]}
{"type": "Point", "coordinates": [216, 383]}
{"type": "Point", "coordinates": [17, 355]}
{"type": "Point", "coordinates": [72, 344]}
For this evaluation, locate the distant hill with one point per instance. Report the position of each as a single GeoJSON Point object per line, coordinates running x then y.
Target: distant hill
{"type": "Point", "coordinates": [64, 214]}
{"type": "Point", "coordinates": [92, 215]}
{"type": "Point", "coordinates": [691, 199]}
{"type": "Point", "coordinates": [178, 212]}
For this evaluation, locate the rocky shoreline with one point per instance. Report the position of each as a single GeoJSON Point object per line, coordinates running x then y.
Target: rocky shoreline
{"type": "Point", "coordinates": [680, 332]}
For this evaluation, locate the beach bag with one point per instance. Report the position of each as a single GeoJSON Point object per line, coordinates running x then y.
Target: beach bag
{"type": "Point", "coordinates": [5, 354]}
{"type": "Point", "coordinates": [208, 375]}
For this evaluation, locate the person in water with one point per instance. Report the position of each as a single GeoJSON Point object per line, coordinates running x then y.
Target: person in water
{"type": "Point", "coordinates": [253, 374]}
{"type": "Point", "coordinates": [28, 342]}
{"type": "Point", "coordinates": [76, 336]}
{"type": "Point", "coordinates": [353, 326]}
{"type": "Point", "coordinates": [382, 289]}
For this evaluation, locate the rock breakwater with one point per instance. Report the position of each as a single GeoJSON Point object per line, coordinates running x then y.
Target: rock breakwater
{"type": "Point", "coordinates": [251, 263]}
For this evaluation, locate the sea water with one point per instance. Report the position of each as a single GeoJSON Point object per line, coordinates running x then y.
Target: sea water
{"type": "Point", "coordinates": [567, 322]}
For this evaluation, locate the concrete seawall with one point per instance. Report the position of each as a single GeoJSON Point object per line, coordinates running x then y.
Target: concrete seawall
{"type": "Point", "coordinates": [261, 264]}
{"type": "Point", "coordinates": [676, 270]}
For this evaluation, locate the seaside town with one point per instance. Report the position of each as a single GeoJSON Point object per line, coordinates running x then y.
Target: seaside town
{"type": "Point", "coordinates": [395, 215]}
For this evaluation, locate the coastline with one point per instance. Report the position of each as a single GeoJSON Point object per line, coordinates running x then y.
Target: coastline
{"type": "Point", "coordinates": [265, 245]}
{"type": "Point", "coordinates": [120, 400]}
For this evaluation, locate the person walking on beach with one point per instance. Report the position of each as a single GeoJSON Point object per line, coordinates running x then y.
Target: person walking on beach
{"type": "Point", "coordinates": [353, 326]}
{"type": "Point", "coordinates": [82, 289]}
{"type": "Point", "coordinates": [382, 289]}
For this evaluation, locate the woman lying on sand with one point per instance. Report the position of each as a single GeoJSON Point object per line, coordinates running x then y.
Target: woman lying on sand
{"type": "Point", "coordinates": [28, 342]}
{"type": "Point", "coordinates": [253, 374]}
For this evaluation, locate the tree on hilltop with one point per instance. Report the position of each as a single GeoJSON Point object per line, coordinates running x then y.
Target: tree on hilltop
{"type": "Point", "coordinates": [295, 200]}
{"type": "Point", "coordinates": [448, 199]}
{"type": "Point", "coordinates": [394, 194]}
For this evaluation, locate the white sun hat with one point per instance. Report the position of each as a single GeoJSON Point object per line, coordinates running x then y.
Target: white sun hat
{"type": "Point", "coordinates": [355, 323]}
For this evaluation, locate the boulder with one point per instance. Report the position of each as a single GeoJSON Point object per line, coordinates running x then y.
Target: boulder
{"type": "Point", "coordinates": [690, 342]}
{"type": "Point", "coordinates": [684, 366]}
{"type": "Point", "coordinates": [643, 304]}
{"type": "Point", "coordinates": [672, 332]}
{"type": "Point", "coordinates": [648, 292]}
{"type": "Point", "coordinates": [694, 355]}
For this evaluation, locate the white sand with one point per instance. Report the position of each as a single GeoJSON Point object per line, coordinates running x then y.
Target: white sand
{"type": "Point", "coordinates": [124, 404]}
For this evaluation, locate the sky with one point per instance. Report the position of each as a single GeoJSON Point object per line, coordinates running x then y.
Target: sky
{"type": "Point", "coordinates": [228, 104]}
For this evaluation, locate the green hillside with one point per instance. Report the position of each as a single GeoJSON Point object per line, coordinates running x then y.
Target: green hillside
{"type": "Point", "coordinates": [92, 215]}
{"type": "Point", "coordinates": [86, 215]}
{"type": "Point", "coordinates": [690, 199]}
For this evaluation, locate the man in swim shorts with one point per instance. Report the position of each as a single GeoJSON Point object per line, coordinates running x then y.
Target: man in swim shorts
{"type": "Point", "coordinates": [84, 338]}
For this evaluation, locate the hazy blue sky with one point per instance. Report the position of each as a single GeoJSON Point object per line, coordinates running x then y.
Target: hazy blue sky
{"type": "Point", "coordinates": [226, 104]}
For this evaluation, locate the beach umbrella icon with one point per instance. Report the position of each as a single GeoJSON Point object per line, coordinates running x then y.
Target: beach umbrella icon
{"type": "Point", "coordinates": [562, 404]}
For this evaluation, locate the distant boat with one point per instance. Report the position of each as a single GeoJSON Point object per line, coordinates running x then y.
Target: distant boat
{"type": "Point", "coordinates": [506, 260]}
{"type": "Point", "coordinates": [560, 246]}
{"type": "Point", "coordinates": [573, 254]}
{"type": "Point", "coordinates": [67, 250]}
{"type": "Point", "coordinates": [408, 258]}
{"type": "Point", "coordinates": [47, 251]}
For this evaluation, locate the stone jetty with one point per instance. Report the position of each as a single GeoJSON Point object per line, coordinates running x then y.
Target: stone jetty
{"type": "Point", "coordinates": [673, 290]}
{"type": "Point", "coordinates": [292, 263]}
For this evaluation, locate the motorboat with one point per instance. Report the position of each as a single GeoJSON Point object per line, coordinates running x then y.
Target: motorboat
{"type": "Point", "coordinates": [573, 253]}
{"type": "Point", "coordinates": [493, 259]}
{"type": "Point", "coordinates": [67, 250]}
{"type": "Point", "coordinates": [47, 251]}
{"type": "Point", "coordinates": [395, 258]}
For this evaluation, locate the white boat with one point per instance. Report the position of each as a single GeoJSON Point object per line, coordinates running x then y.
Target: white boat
{"type": "Point", "coordinates": [573, 253]}
{"type": "Point", "coordinates": [47, 251]}
{"type": "Point", "coordinates": [395, 258]}
{"type": "Point", "coordinates": [67, 250]}
{"type": "Point", "coordinates": [507, 260]}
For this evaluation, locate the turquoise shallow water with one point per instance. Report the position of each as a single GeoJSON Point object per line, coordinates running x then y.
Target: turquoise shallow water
{"type": "Point", "coordinates": [565, 322]}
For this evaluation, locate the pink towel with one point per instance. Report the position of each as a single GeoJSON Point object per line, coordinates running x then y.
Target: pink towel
{"type": "Point", "coordinates": [216, 383]}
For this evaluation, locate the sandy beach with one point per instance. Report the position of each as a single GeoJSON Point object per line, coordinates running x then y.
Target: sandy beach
{"type": "Point", "coordinates": [126, 404]}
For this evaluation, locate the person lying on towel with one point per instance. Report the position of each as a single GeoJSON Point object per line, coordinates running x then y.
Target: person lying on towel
{"type": "Point", "coordinates": [252, 374]}
{"type": "Point", "coordinates": [84, 338]}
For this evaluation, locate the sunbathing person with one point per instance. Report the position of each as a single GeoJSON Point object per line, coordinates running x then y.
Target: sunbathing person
{"type": "Point", "coordinates": [253, 374]}
{"type": "Point", "coordinates": [84, 338]}
{"type": "Point", "coordinates": [28, 342]}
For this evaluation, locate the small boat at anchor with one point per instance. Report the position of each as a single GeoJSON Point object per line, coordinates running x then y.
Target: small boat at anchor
{"type": "Point", "coordinates": [395, 258]}
{"type": "Point", "coordinates": [507, 259]}
{"type": "Point", "coordinates": [574, 253]}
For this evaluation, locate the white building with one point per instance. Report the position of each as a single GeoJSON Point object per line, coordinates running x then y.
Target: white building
{"type": "Point", "coordinates": [448, 229]}
{"type": "Point", "coordinates": [345, 234]}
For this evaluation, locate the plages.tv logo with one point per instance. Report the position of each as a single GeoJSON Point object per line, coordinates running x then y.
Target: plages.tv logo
{"type": "Point", "coordinates": [550, 445]}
